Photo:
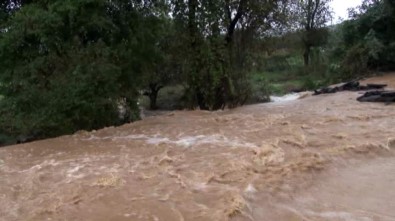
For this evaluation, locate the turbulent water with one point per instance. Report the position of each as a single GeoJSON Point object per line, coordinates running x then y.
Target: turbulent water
{"type": "Point", "coordinates": [325, 157]}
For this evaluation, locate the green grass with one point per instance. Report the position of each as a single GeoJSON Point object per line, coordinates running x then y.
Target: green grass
{"type": "Point", "coordinates": [282, 79]}
{"type": "Point", "coordinates": [279, 82]}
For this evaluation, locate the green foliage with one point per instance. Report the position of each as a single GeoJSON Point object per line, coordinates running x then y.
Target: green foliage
{"type": "Point", "coordinates": [355, 62]}
{"type": "Point", "coordinates": [310, 83]}
{"type": "Point", "coordinates": [67, 65]}
{"type": "Point", "coordinates": [218, 48]}
{"type": "Point", "coordinates": [261, 89]}
{"type": "Point", "coordinates": [6, 140]}
{"type": "Point", "coordinates": [367, 40]}
{"type": "Point", "coordinates": [311, 16]}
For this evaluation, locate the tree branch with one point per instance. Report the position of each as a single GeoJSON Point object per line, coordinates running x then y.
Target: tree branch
{"type": "Point", "coordinates": [227, 9]}
{"type": "Point", "coordinates": [232, 25]}
{"type": "Point", "coordinates": [317, 4]}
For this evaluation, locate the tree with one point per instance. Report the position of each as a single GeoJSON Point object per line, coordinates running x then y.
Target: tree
{"type": "Point", "coordinates": [166, 68]}
{"type": "Point", "coordinates": [371, 30]}
{"type": "Point", "coordinates": [68, 65]}
{"type": "Point", "coordinates": [312, 16]}
{"type": "Point", "coordinates": [218, 34]}
{"type": "Point", "coordinates": [366, 41]}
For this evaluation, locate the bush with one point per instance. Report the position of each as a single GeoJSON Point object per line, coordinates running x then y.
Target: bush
{"type": "Point", "coordinates": [355, 63]}
{"type": "Point", "coordinates": [261, 90]}
{"type": "Point", "coordinates": [68, 65]}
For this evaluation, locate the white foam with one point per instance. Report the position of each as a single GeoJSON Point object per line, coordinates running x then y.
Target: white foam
{"type": "Point", "coordinates": [285, 98]}
{"type": "Point", "coordinates": [330, 215]}
{"type": "Point", "coordinates": [72, 171]}
{"type": "Point", "coordinates": [211, 139]}
{"type": "Point", "coordinates": [185, 141]}
{"type": "Point", "coordinates": [157, 140]}
{"type": "Point", "coordinates": [250, 189]}
{"type": "Point", "coordinates": [190, 140]}
{"type": "Point", "coordinates": [339, 215]}
{"type": "Point", "coordinates": [131, 137]}
{"type": "Point", "coordinates": [46, 163]}
{"type": "Point", "coordinates": [200, 186]}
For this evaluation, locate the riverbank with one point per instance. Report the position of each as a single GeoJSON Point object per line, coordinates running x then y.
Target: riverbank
{"type": "Point", "coordinates": [228, 165]}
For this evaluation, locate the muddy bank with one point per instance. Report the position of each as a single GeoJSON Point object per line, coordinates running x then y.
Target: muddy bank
{"type": "Point", "coordinates": [252, 163]}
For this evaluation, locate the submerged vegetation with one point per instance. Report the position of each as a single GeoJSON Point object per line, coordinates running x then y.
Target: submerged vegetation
{"type": "Point", "coordinates": [68, 65]}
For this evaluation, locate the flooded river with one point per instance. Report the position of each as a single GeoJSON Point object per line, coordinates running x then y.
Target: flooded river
{"type": "Point", "coordinates": [324, 157]}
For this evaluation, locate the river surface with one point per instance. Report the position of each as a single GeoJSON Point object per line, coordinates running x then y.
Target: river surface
{"type": "Point", "coordinates": [324, 157]}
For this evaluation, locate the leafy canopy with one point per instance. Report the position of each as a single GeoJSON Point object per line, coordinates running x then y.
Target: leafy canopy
{"type": "Point", "coordinates": [67, 65]}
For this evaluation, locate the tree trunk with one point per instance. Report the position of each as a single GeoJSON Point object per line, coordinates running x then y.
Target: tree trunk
{"type": "Point", "coordinates": [152, 100]}
{"type": "Point", "coordinates": [201, 100]}
{"type": "Point", "coordinates": [223, 92]}
{"type": "Point", "coordinates": [235, 20]}
{"type": "Point", "coordinates": [306, 56]}
{"type": "Point", "coordinates": [152, 94]}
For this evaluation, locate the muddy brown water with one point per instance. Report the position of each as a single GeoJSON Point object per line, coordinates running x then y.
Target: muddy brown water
{"type": "Point", "coordinates": [325, 157]}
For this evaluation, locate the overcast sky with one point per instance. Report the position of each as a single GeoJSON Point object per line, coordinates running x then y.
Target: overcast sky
{"type": "Point", "coordinates": [340, 8]}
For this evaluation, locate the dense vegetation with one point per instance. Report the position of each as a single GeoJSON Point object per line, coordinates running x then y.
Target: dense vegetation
{"type": "Point", "coordinates": [68, 65]}
{"type": "Point", "coordinates": [368, 41]}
